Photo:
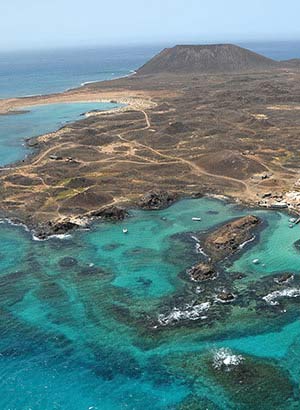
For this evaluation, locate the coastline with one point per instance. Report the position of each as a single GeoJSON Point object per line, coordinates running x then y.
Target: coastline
{"type": "Point", "coordinates": [86, 222]}
{"type": "Point", "coordinates": [145, 146]}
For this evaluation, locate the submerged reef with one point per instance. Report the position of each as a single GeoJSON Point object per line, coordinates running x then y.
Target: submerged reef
{"type": "Point", "coordinates": [247, 383]}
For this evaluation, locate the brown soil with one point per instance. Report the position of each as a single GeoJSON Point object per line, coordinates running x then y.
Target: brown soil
{"type": "Point", "coordinates": [180, 134]}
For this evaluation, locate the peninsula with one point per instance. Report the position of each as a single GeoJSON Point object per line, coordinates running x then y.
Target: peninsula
{"type": "Point", "coordinates": [196, 120]}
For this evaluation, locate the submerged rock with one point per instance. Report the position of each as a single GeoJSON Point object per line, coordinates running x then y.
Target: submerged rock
{"type": "Point", "coordinates": [157, 200]}
{"type": "Point", "coordinates": [245, 382]}
{"type": "Point", "coordinates": [68, 262]}
{"type": "Point", "coordinates": [202, 272]}
{"type": "Point", "coordinates": [250, 383]}
{"type": "Point", "coordinates": [92, 270]}
{"type": "Point", "coordinates": [297, 245]}
{"type": "Point", "coordinates": [230, 237]}
{"type": "Point", "coordinates": [110, 362]}
{"type": "Point", "coordinates": [194, 402]}
{"type": "Point", "coordinates": [144, 282]}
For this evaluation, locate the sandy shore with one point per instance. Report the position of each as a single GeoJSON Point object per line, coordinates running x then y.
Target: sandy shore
{"type": "Point", "coordinates": [137, 101]}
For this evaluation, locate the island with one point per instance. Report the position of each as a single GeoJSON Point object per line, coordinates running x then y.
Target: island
{"type": "Point", "coordinates": [195, 120]}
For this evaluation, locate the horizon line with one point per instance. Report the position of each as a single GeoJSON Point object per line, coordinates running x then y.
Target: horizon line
{"type": "Point", "coordinates": [144, 44]}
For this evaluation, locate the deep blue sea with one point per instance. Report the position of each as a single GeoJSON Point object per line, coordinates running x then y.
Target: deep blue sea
{"type": "Point", "coordinates": [42, 72]}
{"type": "Point", "coordinates": [100, 320]}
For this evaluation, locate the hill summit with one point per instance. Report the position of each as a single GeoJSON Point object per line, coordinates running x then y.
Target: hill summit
{"type": "Point", "coordinates": [217, 58]}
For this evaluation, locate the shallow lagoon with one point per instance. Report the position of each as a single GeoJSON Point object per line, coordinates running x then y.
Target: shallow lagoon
{"type": "Point", "coordinates": [37, 120]}
{"type": "Point", "coordinates": [79, 333]}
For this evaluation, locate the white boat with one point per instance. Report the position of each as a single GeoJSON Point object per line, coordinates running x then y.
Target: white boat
{"type": "Point", "coordinates": [292, 220]}
{"type": "Point", "coordinates": [125, 230]}
{"type": "Point", "coordinates": [255, 261]}
{"type": "Point", "coordinates": [196, 219]}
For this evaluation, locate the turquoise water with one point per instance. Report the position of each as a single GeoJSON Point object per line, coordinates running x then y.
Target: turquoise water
{"type": "Point", "coordinates": [275, 242]}
{"type": "Point", "coordinates": [83, 333]}
{"type": "Point", "coordinates": [80, 317]}
{"type": "Point", "coordinates": [37, 120]}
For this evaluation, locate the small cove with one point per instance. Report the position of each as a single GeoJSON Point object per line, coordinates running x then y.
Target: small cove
{"type": "Point", "coordinates": [38, 120]}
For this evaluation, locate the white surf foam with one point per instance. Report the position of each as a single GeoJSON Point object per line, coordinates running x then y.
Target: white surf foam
{"type": "Point", "coordinates": [271, 298]}
{"type": "Point", "coordinates": [188, 312]}
{"type": "Point", "coordinates": [225, 359]}
{"type": "Point", "coordinates": [242, 245]}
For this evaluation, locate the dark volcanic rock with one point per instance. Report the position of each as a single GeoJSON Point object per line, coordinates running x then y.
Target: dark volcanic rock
{"type": "Point", "coordinates": [50, 228]}
{"type": "Point", "coordinates": [284, 278]}
{"type": "Point", "coordinates": [112, 213]}
{"type": "Point", "coordinates": [157, 200]}
{"type": "Point", "coordinates": [177, 128]}
{"type": "Point", "coordinates": [202, 272]}
{"type": "Point", "coordinates": [227, 239]}
{"type": "Point", "coordinates": [225, 297]}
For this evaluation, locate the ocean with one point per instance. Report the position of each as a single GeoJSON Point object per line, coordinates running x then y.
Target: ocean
{"type": "Point", "coordinates": [100, 320]}
{"type": "Point", "coordinates": [49, 71]}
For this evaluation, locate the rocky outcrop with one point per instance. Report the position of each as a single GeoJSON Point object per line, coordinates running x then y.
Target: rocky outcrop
{"type": "Point", "coordinates": [157, 200]}
{"type": "Point", "coordinates": [44, 231]}
{"type": "Point", "coordinates": [284, 278]}
{"type": "Point", "coordinates": [225, 297]}
{"type": "Point", "coordinates": [229, 238]}
{"type": "Point", "coordinates": [113, 213]}
{"type": "Point", "coordinates": [51, 228]}
{"type": "Point", "coordinates": [202, 272]}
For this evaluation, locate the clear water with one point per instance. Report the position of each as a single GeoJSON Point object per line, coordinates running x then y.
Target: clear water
{"type": "Point", "coordinates": [37, 120]}
{"type": "Point", "coordinates": [83, 333]}
{"type": "Point", "coordinates": [82, 337]}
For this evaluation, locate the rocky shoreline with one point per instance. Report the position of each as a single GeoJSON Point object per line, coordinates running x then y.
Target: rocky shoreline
{"type": "Point", "coordinates": [156, 144]}
{"type": "Point", "coordinates": [229, 238]}
{"type": "Point", "coordinates": [151, 201]}
{"type": "Point", "coordinates": [154, 200]}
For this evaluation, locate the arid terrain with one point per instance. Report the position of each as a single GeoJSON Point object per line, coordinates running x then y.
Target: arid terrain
{"type": "Point", "coordinates": [185, 133]}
